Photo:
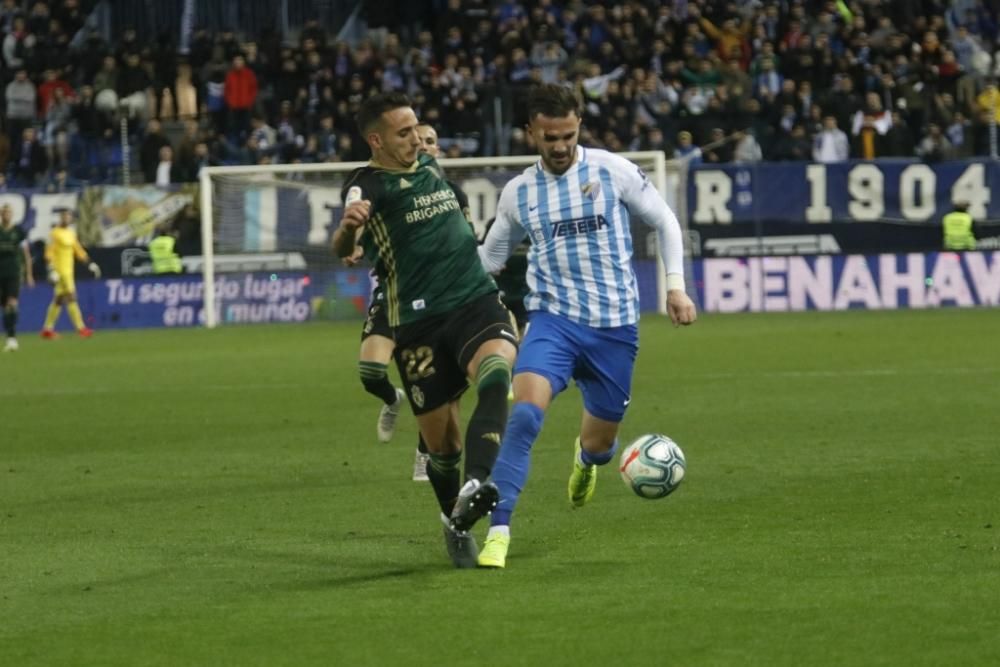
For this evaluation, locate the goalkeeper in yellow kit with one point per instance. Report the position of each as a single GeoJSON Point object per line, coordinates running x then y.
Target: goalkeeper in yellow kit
{"type": "Point", "coordinates": [62, 249]}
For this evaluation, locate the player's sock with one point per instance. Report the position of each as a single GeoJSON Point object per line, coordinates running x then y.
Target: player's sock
{"type": "Point", "coordinates": [486, 426]}
{"type": "Point", "coordinates": [421, 445]}
{"type": "Point", "coordinates": [511, 469]}
{"type": "Point", "coordinates": [590, 459]}
{"type": "Point", "coordinates": [52, 315]}
{"type": "Point", "coordinates": [10, 321]}
{"type": "Point", "coordinates": [75, 316]}
{"type": "Point", "coordinates": [375, 378]}
{"type": "Point", "coordinates": [442, 471]}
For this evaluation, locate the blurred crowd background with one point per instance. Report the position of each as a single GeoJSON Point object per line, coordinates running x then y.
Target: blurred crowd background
{"type": "Point", "coordinates": [152, 90]}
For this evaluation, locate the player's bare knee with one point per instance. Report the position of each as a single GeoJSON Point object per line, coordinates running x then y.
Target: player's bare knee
{"type": "Point", "coordinates": [598, 435]}
{"type": "Point", "coordinates": [492, 348]}
{"type": "Point", "coordinates": [532, 388]}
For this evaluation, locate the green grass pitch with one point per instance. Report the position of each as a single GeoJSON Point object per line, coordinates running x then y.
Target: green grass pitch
{"type": "Point", "coordinates": [218, 498]}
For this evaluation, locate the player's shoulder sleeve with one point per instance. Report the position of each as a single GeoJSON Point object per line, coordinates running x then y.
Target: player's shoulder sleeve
{"type": "Point", "coordinates": [362, 183]}
{"type": "Point", "coordinates": [630, 180]}
{"type": "Point", "coordinates": [512, 196]}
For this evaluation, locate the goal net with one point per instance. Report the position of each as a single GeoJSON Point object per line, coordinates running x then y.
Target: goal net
{"type": "Point", "coordinates": [266, 234]}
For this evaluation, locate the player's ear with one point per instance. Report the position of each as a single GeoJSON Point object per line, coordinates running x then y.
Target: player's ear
{"type": "Point", "coordinates": [375, 140]}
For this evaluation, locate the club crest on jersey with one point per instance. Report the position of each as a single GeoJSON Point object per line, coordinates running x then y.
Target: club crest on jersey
{"type": "Point", "coordinates": [417, 395]}
{"type": "Point", "coordinates": [591, 190]}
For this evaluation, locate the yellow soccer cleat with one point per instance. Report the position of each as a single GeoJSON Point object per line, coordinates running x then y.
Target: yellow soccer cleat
{"type": "Point", "coordinates": [582, 481]}
{"type": "Point", "coordinates": [494, 552]}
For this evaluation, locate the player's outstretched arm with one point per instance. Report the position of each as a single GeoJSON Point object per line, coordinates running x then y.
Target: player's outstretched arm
{"type": "Point", "coordinates": [644, 200]}
{"type": "Point", "coordinates": [505, 234]}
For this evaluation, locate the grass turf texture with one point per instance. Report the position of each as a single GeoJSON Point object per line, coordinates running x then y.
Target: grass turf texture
{"type": "Point", "coordinates": [218, 498]}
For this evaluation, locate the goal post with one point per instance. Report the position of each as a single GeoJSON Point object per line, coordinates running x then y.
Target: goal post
{"type": "Point", "coordinates": [274, 218]}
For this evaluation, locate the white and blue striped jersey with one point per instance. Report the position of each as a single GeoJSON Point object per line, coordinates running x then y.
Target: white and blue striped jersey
{"type": "Point", "coordinates": [580, 262]}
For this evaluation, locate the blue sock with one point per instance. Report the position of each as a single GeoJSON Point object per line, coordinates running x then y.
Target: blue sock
{"type": "Point", "coordinates": [591, 459]}
{"type": "Point", "coordinates": [511, 469]}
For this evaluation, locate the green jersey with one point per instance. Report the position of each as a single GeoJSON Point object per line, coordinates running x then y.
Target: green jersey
{"type": "Point", "coordinates": [11, 239]}
{"type": "Point", "coordinates": [418, 239]}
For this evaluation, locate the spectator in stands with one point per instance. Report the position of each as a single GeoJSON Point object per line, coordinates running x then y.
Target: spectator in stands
{"type": "Point", "coordinates": [830, 145]}
{"type": "Point", "coordinates": [241, 93]}
{"type": "Point", "coordinates": [30, 162]}
{"type": "Point", "coordinates": [959, 133]}
{"type": "Point", "coordinates": [263, 139]}
{"type": "Point", "coordinates": [935, 147]}
{"type": "Point", "coordinates": [134, 87]}
{"type": "Point", "coordinates": [167, 171]}
{"type": "Point", "coordinates": [747, 150]}
{"type": "Point", "coordinates": [686, 150]}
{"type": "Point", "coordinates": [189, 169]}
{"type": "Point", "coordinates": [61, 181]}
{"type": "Point", "coordinates": [9, 10]}
{"type": "Point", "coordinates": [190, 138]}
{"type": "Point", "coordinates": [57, 125]}
{"type": "Point", "coordinates": [93, 131]}
{"type": "Point", "coordinates": [107, 78]}
{"type": "Point", "coordinates": [898, 140]}
{"type": "Point", "coordinates": [18, 45]}
{"type": "Point", "coordinates": [868, 143]}
{"type": "Point", "coordinates": [185, 92]}
{"type": "Point", "coordinates": [21, 106]}
{"type": "Point", "coordinates": [326, 139]}
{"type": "Point", "coordinates": [151, 150]}
{"type": "Point", "coordinates": [46, 91]}
{"type": "Point", "coordinates": [213, 77]}
{"type": "Point", "coordinates": [719, 149]}
{"type": "Point", "coordinates": [794, 145]}
{"type": "Point", "coordinates": [769, 81]}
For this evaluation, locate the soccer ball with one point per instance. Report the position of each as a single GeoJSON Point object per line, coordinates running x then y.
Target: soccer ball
{"type": "Point", "coordinates": [653, 466]}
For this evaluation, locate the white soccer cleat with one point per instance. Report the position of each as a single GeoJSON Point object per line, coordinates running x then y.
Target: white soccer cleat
{"type": "Point", "coordinates": [11, 345]}
{"type": "Point", "coordinates": [387, 417]}
{"type": "Point", "coordinates": [420, 467]}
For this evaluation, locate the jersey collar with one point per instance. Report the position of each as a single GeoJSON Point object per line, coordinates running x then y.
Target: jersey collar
{"type": "Point", "coordinates": [409, 170]}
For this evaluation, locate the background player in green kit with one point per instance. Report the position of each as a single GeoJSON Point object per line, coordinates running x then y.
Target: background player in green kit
{"type": "Point", "coordinates": [13, 248]}
{"type": "Point", "coordinates": [446, 317]}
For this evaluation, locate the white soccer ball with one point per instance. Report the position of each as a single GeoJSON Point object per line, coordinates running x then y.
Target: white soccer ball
{"type": "Point", "coordinates": [653, 466]}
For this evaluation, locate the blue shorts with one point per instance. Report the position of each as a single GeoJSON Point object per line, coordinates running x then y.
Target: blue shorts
{"type": "Point", "coordinates": [600, 360]}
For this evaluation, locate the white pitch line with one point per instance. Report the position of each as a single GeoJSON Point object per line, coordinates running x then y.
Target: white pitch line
{"type": "Point", "coordinates": [859, 372]}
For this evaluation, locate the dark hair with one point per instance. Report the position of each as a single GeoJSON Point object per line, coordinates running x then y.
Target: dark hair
{"type": "Point", "coordinates": [552, 100]}
{"type": "Point", "coordinates": [372, 109]}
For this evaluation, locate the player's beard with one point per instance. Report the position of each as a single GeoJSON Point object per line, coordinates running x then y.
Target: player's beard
{"type": "Point", "coordinates": [563, 163]}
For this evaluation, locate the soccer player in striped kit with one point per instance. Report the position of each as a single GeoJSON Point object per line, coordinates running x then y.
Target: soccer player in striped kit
{"type": "Point", "coordinates": [575, 203]}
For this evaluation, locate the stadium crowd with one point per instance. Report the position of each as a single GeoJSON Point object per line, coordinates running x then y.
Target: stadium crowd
{"type": "Point", "coordinates": [716, 81]}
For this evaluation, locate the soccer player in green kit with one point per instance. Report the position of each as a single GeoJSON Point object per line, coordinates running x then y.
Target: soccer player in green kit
{"type": "Point", "coordinates": [447, 319]}
{"type": "Point", "coordinates": [12, 248]}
